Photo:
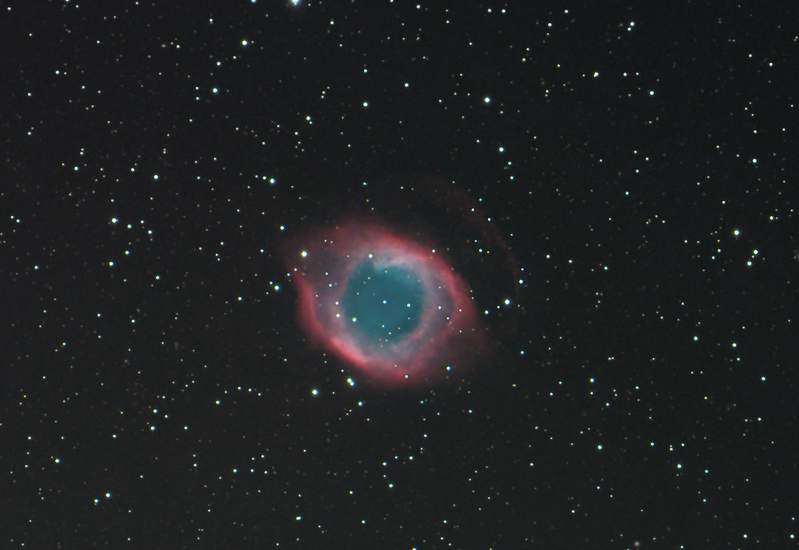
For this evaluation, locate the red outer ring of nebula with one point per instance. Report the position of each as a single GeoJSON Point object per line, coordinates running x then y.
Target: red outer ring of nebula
{"type": "Point", "coordinates": [448, 339]}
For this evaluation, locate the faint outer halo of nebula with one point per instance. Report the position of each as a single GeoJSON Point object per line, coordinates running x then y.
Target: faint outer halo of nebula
{"type": "Point", "coordinates": [408, 284]}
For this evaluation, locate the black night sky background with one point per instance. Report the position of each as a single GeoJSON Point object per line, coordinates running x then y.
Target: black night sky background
{"type": "Point", "coordinates": [623, 173]}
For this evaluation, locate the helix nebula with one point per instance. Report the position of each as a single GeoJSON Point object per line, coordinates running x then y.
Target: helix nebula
{"type": "Point", "coordinates": [387, 305]}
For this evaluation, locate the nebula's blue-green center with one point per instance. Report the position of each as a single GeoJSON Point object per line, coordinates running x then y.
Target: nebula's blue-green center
{"type": "Point", "coordinates": [383, 305]}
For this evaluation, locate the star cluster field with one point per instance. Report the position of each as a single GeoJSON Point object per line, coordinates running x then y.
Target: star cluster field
{"type": "Point", "coordinates": [607, 193]}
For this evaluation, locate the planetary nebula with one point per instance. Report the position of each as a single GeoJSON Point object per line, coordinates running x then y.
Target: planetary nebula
{"type": "Point", "coordinates": [389, 306]}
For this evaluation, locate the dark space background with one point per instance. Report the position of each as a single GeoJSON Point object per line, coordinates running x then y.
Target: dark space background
{"type": "Point", "coordinates": [639, 160]}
